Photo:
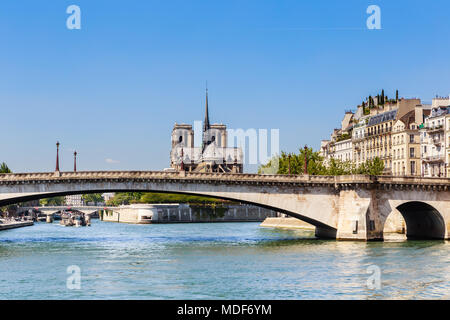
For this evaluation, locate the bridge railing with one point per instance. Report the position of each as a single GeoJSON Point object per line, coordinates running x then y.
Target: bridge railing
{"type": "Point", "coordinates": [93, 175]}
{"type": "Point", "coordinates": [158, 175]}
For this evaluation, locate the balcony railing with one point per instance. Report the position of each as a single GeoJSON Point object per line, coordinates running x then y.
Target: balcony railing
{"type": "Point", "coordinates": [435, 158]}
{"type": "Point", "coordinates": [434, 128]}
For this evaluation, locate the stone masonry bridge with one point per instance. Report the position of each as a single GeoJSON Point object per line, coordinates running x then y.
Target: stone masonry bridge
{"type": "Point", "coordinates": [50, 210]}
{"type": "Point", "coordinates": [343, 207]}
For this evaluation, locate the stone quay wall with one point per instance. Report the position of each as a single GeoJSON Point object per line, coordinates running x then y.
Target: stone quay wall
{"type": "Point", "coordinates": [176, 213]}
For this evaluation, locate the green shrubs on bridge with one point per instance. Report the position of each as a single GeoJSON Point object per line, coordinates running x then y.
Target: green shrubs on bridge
{"type": "Point", "coordinates": [317, 165]}
{"type": "Point", "coordinates": [145, 197]}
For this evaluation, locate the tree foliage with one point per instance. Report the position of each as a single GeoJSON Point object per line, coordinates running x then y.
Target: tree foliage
{"type": "Point", "coordinates": [125, 198]}
{"type": "Point", "coordinates": [317, 165]}
{"type": "Point", "coordinates": [4, 168]}
{"type": "Point", "coordinates": [92, 197]}
{"type": "Point", "coordinates": [54, 201]}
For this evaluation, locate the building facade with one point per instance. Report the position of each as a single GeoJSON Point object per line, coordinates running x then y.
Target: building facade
{"type": "Point", "coordinates": [75, 200]}
{"type": "Point", "coordinates": [406, 146]}
{"type": "Point", "coordinates": [212, 156]}
{"type": "Point", "coordinates": [358, 138]}
{"type": "Point", "coordinates": [433, 143]}
{"type": "Point", "coordinates": [378, 141]}
{"type": "Point", "coordinates": [411, 138]}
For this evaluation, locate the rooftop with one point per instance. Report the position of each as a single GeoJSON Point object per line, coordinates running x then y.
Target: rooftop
{"type": "Point", "coordinates": [382, 117]}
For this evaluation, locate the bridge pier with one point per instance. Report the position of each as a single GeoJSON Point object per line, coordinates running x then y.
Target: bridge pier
{"type": "Point", "coordinates": [363, 214]}
{"type": "Point", "coordinates": [325, 233]}
{"type": "Point", "coordinates": [87, 218]}
{"type": "Point", "coordinates": [49, 218]}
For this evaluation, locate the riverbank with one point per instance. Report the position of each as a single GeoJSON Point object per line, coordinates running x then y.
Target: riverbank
{"type": "Point", "coordinates": [15, 224]}
{"type": "Point", "coordinates": [185, 213]}
{"type": "Point", "coordinates": [287, 223]}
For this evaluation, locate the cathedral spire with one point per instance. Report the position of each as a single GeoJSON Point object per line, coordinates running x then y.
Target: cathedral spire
{"type": "Point", "coordinates": [206, 122]}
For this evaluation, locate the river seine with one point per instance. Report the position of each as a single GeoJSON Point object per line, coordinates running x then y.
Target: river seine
{"type": "Point", "coordinates": [213, 261]}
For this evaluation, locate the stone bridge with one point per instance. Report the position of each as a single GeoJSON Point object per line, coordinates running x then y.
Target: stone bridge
{"type": "Point", "coordinates": [344, 207]}
{"type": "Point", "coordinates": [50, 210]}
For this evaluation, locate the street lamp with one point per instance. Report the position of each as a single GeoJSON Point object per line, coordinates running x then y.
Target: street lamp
{"type": "Point", "coordinates": [75, 161]}
{"type": "Point", "coordinates": [57, 157]}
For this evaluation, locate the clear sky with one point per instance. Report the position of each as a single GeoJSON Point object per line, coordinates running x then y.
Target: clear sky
{"type": "Point", "coordinates": [114, 88]}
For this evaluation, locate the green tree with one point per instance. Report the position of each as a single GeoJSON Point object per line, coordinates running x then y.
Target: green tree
{"type": "Point", "coordinates": [370, 102]}
{"type": "Point", "coordinates": [373, 167]}
{"type": "Point", "coordinates": [54, 201]}
{"type": "Point", "coordinates": [175, 198]}
{"type": "Point", "coordinates": [297, 163]}
{"type": "Point", "coordinates": [396, 95]}
{"type": "Point", "coordinates": [338, 167]}
{"type": "Point", "coordinates": [316, 165]}
{"type": "Point", "coordinates": [92, 197]}
{"type": "Point", "coordinates": [126, 198]}
{"type": "Point", "coordinates": [4, 168]}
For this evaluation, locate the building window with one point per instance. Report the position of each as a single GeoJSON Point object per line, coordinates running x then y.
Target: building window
{"type": "Point", "coordinates": [413, 168]}
{"type": "Point", "coordinates": [411, 152]}
{"type": "Point", "coordinates": [411, 138]}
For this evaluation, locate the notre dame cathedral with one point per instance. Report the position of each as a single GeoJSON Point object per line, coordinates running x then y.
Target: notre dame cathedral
{"type": "Point", "coordinates": [212, 156]}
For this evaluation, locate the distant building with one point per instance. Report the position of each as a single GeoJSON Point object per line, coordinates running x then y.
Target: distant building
{"type": "Point", "coordinates": [358, 137]}
{"type": "Point", "coordinates": [411, 138]}
{"type": "Point", "coordinates": [406, 146]}
{"type": "Point", "coordinates": [340, 144]}
{"type": "Point", "coordinates": [108, 196]}
{"type": "Point", "coordinates": [368, 134]}
{"type": "Point", "coordinates": [378, 142]}
{"type": "Point", "coordinates": [212, 156]}
{"type": "Point", "coordinates": [74, 200]}
{"type": "Point", "coordinates": [433, 142]}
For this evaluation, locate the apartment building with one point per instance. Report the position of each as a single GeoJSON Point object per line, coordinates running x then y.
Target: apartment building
{"type": "Point", "coordinates": [358, 138]}
{"type": "Point", "coordinates": [433, 143]}
{"type": "Point", "coordinates": [410, 138]}
{"type": "Point", "coordinates": [406, 146]}
{"type": "Point", "coordinates": [378, 141]}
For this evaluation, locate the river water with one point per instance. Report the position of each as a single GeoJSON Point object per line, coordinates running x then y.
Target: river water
{"type": "Point", "coordinates": [213, 261]}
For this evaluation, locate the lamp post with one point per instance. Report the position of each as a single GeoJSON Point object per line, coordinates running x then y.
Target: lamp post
{"type": "Point", "coordinates": [57, 157]}
{"type": "Point", "coordinates": [75, 161]}
{"type": "Point", "coordinates": [305, 172]}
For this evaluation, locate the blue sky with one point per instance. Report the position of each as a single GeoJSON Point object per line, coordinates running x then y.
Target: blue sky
{"type": "Point", "coordinates": [114, 89]}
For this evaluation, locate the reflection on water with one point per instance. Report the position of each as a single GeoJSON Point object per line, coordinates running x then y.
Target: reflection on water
{"type": "Point", "coordinates": [213, 261]}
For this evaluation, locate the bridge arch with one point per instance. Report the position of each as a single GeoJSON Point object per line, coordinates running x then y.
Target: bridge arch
{"type": "Point", "coordinates": [423, 221]}
{"type": "Point", "coordinates": [323, 230]}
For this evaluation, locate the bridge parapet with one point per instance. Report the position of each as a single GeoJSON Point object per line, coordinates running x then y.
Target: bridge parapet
{"type": "Point", "coordinates": [239, 178]}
